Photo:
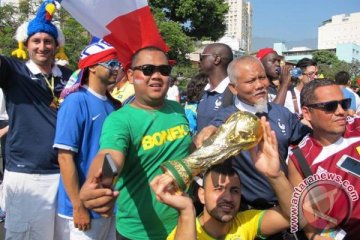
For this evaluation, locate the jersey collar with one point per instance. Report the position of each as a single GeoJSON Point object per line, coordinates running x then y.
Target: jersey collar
{"type": "Point", "coordinates": [56, 72]}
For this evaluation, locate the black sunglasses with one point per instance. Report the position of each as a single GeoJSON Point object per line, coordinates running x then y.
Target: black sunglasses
{"type": "Point", "coordinates": [149, 69]}
{"type": "Point", "coordinates": [332, 105]}
{"type": "Point", "coordinates": [202, 55]}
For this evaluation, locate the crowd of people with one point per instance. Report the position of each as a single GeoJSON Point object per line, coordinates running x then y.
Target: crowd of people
{"type": "Point", "coordinates": [60, 126]}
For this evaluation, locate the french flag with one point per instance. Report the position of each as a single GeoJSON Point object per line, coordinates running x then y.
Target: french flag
{"type": "Point", "coordinates": [127, 25]}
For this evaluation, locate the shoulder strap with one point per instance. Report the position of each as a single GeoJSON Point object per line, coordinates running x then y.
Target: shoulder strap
{"type": "Point", "coordinates": [302, 162]}
{"type": "Point", "coordinates": [293, 95]}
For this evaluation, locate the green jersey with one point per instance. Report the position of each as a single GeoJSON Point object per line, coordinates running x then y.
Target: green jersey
{"type": "Point", "coordinates": [147, 138]}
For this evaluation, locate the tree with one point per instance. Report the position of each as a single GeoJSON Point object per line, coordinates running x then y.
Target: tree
{"type": "Point", "coordinates": [198, 18]}
{"type": "Point", "coordinates": [329, 64]}
{"type": "Point", "coordinates": [180, 44]}
{"type": "Point", "coordinates": [325, 57]}
{"type": "Point", "coordinates": [76, 37]}
{"type": "Point", "coordinates": [8, 24]}
{"type": "Point", "coordinates": [354, 70]}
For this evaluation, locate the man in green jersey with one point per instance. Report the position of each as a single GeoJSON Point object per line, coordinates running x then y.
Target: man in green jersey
{"type": "Point", "coordinates": [140, 136]}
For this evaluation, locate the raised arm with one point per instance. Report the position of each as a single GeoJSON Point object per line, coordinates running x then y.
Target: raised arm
{"type": "Point", "coordinates": [164, 193]}
{"type": "Point", "coordinates": [266, 161]}
{"type": "Point", "coordinates": [285, 81]}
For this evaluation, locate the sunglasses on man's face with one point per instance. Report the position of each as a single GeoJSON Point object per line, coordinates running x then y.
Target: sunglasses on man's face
{"type": "Point", "coordinates": [111, 65]}
{"type": "Point", "coordinates": [149, 69]}
{"type": "Point", "coordinates": [203, 55]}
{"type": "Point", "coordinates": [331, 106]}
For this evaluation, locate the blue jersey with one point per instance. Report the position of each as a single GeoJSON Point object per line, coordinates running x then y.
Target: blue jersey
{"type": "Point", "coordinates": [212, 101]}
{"type": "Point", "coordinates": [255, 189]}
{"type": "Point", "coordinates": [31, 118]}
{"type": "Point", "coordinates": [190, 113]}
{"type": "Point", "coordinates": [78, 129]}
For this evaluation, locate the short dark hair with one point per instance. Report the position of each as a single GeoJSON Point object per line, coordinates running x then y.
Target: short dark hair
{"type": "Point", "coordinates": [307, 95]}
{"type": "Point", "coordinates": [148, 48]}
{"type": "Point", "coordinates": [195, 87]}
{"type": "Point", "coordinates": [224, 168]}
{"type": "Point", "coordinates": [305, 62]}
{"type": "Point", "coordinates": [342, 78]}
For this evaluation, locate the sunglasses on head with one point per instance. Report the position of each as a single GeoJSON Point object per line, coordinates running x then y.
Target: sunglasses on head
{"type": "Point", "coordinates": [331, 106]}
{"type": "Point", "coordinates": [112, 64]}
{"type": "Point", "coordinates": [149, 69]}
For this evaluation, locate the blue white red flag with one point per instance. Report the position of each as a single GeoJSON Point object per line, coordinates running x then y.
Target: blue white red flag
{"type": "Point", "coordinates": [128, 25]}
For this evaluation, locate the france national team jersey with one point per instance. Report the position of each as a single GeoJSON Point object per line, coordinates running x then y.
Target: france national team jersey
{"type": "Point", "coordinates": [32, 120]}
{"type": "Point", "coordinates": [78, 129]}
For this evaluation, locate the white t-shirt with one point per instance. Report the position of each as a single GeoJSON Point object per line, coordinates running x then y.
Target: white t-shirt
{"type": "Point", "coordinates": [3, 113]}
{"type": "Point", "coordinates": [172, 93]}
{"type": "Point", "coordinates": [289, 103]}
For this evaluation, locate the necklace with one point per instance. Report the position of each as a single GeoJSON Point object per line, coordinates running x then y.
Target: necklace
{"type": "Point", "coordinates": [51, 85]}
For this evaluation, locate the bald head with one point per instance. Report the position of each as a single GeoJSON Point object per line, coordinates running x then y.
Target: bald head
{"type": "Point", "coordinates": [248, 80]}
{"type": "Point", "coordinates": [222, 50]}
{"type": "Point", "coordinates": [239, 64]}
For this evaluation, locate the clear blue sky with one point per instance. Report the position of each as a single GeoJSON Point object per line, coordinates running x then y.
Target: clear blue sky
{"type": "Point", "coordinates": [291, 20]}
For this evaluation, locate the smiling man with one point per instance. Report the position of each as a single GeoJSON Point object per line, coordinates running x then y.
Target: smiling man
{"type": "Point", "coordinates": [140, 136]}
{"type": "Point", "coordinates": [31, 91]}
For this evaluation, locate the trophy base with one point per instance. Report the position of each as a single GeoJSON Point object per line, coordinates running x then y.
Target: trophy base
{"type": "Point", "coordinates": [179, 172]}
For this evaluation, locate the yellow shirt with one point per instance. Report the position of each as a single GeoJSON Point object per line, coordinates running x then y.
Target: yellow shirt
{"type": "Point", "coordinates": [124, 92]}
{"type": "Point", "coordinates": [245, 226]}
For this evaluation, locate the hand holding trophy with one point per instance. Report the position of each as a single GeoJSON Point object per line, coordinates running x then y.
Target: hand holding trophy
{"type": "Point", "coordinates": [241, 131]}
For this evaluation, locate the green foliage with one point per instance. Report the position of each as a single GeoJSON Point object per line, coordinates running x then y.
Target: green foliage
{"type": "Point", "coordinates": [325, 57]}
{"type": "Point", "coordinates": [184, 72]}
{"type": "Point", "coordinates": [180, 44]}
{"type": "Point", "coordinates": [198, 18]}
{"type": "Point", "coordinates": [8, 25]}
{"type": "Point", "coordinates": [330, 71]}
{"type": "Point", "coordinates": [354, 70]}
{"type": "Point", "coordinates": [76, 37]}
{"type": "Point", "coordinates": [329, 64]}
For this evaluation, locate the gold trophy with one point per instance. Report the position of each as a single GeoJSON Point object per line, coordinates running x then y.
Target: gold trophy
{"type": "Point", "coordinates": [241, 131]}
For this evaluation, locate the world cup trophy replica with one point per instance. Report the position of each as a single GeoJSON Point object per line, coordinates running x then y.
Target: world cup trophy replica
{"type": "Point", "coordinates": [241, 131]}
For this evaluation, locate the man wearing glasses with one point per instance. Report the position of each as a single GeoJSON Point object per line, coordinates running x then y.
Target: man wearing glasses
{"type": "Point", "coordinates": [332, 148]}
{"type": "Point", "coordinates": [213, 62]}
{"type": "Point", "coordinates": [79, 123]}
{"type": "Point", "coordinates": [309, 71]}
{"type": "Point", "coordinates": [140, 136]}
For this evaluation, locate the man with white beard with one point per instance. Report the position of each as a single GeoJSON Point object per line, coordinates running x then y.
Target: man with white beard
{"type": "Point", "coordinates": [249, 83]}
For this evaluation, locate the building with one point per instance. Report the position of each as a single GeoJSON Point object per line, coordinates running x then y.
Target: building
{"type": "Point", "coordinates": [239, 23]}
{"type": "Point", "coordinates": [340, 29]}
{"type": "Point", "coordinates": [347, 52]}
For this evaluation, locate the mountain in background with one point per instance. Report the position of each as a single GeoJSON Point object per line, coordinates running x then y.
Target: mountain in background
{"type": "Point", "coordinates": [260, 42]}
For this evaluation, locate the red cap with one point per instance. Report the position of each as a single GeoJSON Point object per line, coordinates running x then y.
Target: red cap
{"type": "Point", "coordinates": [263, 52]}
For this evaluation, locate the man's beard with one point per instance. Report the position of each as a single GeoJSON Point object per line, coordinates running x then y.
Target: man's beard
{"type": "Point", "coordinates": [261, 106]}
{"type": "Point", "coordinates": [223, 218]}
